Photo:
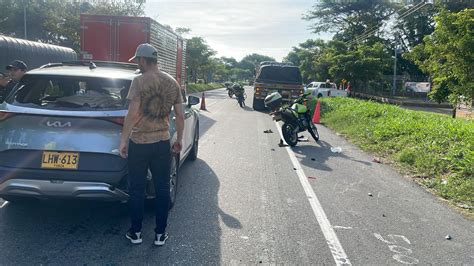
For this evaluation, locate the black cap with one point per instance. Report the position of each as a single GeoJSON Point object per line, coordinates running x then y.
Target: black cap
{"type": "Point", "coordinates": [17, 64]}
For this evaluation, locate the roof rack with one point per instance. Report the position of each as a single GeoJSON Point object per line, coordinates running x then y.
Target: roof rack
{"type": "Point", "coordinates": [274, 63]}
{"type": "Point", "coordinates": [93, 64]}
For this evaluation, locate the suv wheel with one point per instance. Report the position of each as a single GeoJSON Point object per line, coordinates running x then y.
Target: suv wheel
{"type": "Point", "coordinates": [194, 150]}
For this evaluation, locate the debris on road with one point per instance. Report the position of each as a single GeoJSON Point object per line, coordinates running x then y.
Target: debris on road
{"type": "Point", "coordinates": [312, 159]}
{"type": "Point", "coordinates": [294, 168]}
{"type": "Point", "coordinates": [370, 194]}
{"type": "Point", "coordinates": [376, 160]}
{"type": "Point", "coordinates": [268, 131]}
{"type": "Point", "coordinates": [336, 149]}
{"type": "Point", "coordinates": [383, 215]}
{"type": "Point", "coordinates": [311, 177]}
{"type": "Point", "coordinates": [273, 149]}
{"type": "Point", "coordinates": [448, 237]}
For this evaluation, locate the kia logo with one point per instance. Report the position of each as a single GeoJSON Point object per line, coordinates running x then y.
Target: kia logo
{"type": "Point", "coordinates": [58, 124]}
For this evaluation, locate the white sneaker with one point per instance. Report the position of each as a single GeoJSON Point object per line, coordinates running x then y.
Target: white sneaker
{"type": "Point", "coordinates": [135, 238]}
{"type": "Point", "coordinates": [160, 239]}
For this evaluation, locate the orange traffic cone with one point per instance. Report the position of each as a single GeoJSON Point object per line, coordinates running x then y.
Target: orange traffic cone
{"type": "Point", "coordinates": [203, 102]}
{"type": "Point", "coordinates": [316, 115]}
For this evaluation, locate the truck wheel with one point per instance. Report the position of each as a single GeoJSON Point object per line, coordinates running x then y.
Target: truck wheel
{"type": "Point", "coordinates": [258, 105]}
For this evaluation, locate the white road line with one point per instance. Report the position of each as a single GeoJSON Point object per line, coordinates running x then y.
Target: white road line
{"type": "Point", "coordinates": [335, 246]}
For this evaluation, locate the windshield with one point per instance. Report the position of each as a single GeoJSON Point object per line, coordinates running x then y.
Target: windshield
{"type": "Point", "coordinates": [71, 93]}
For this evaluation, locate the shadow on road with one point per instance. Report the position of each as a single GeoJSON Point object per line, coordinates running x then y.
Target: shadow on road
{"type": "Point", "coordinates": [205, 123]}
{"type": "Point", "coordinates": [316, 156]}
{"type": "Point", "coordinates": [197, 217]}
{"type": "Point", "coordinates": [246, 108]}
{"type": "Point", "coordinates": [89, 232]}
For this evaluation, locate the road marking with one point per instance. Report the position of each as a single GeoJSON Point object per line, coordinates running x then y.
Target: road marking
{"type": "Point", "coordinates": [5, 203]}
{"type": "Point", "coordinates": [335, 246]}
{"type": "Point", "coordinates": [402, 253]}
{"type": "Point", "coordinates": [341, 227]}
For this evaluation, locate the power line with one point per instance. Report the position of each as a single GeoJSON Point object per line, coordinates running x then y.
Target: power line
{"type": "Point", "coordinates": [372, 30]}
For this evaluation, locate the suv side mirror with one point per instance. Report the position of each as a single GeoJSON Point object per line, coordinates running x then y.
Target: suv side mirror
{"type": "Point", "coordinates": [193, 100]}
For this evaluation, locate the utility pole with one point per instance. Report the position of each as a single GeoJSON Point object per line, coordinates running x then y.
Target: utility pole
{"type": "Point", "coordinates": [394, 85]}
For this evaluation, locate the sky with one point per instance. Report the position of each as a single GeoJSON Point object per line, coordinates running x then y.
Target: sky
{"type": "Point", "coordinates": [236, 28]}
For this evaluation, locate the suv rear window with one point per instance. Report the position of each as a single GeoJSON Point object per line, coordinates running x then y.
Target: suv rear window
{"type": "Point", "coordinates": [71, 93]}
{"type": "Point", "coordinates": [328, 86]}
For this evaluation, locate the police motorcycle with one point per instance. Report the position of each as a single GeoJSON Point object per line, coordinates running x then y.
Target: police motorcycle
{"type": "Point", "coordinates": [239, 92]}
{"type": "Point", "coordinates": [229, 89]}
{"type": "Point", "coordinates": [295, 115]}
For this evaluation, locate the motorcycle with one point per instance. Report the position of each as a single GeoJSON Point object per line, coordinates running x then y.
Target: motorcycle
{"type": "Point", "coordinates": [230, 91]}
{"type": "Point", "coordinates": [296, 117]}
{"type": "Point", "coordinates": [239, 94]}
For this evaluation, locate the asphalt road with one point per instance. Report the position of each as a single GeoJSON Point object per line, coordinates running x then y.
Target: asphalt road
{"type": "Point", "coordinates": [246, 200]}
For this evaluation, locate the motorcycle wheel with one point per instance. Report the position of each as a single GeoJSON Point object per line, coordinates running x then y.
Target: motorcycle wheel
{"type": "Point", "coordinates": [313, 131]}
{"type": "Point", "coordinates": [289, 134]}
{"type": "Point", "coordinates": [230, 94]}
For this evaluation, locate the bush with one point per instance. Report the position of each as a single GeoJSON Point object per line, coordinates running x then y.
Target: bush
{"type": "Point", "coordinates": [433, 146]}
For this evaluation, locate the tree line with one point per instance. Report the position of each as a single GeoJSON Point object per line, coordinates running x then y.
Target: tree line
{"type": "Point", "coordinates": [204, 65]}
{"type": "Point", "coordinates": [432, 42]}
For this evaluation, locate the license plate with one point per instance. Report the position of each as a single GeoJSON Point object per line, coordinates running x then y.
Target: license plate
{"type": "Point", "coordinates": [60, 160]}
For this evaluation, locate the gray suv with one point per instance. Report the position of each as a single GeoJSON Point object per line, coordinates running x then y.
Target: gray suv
{"type": "Point", "coordinates": [59, 133]}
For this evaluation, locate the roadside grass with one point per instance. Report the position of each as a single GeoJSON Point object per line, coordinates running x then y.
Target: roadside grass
{"type": "Point", "coordinates": [436, 150]}
{"type": "Point", "coordinates": [198, 87]}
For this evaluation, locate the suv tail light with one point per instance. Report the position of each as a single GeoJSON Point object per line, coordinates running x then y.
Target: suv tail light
{"type": "Point", "coordinates": [119, 120]}
{"type": "Point", "coordinates": [5, 115]}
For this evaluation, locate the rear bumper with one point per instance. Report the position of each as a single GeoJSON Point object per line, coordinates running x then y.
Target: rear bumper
{"type": "Point", "coordinates": [61, 189]}
{"type": "Point", "coordinates": [286, 95]}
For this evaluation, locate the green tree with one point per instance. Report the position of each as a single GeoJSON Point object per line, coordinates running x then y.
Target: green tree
{"type": "Point", "coordinates": [229, 62]}
{"type": "Point", "coordinates": [249, 62]}
{"type": "Point", "coordinates": [362, 66]}
{"type": "Point", "coordinates": [56, 21]}
{"type": "Point", "coordinates": [199, 55]}
{"type": "Point", "coordinates": [350, 18]}
{"type": "Point", "coordinates": [182, 31]}
{"type": "Point", "coordinates": [448, 56]}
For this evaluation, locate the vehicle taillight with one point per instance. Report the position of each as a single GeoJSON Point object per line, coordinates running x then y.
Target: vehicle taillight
{"type": "Point", "coordinates": [5, 115]}
{"type": "Point", "coordinates": [119, 120]}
